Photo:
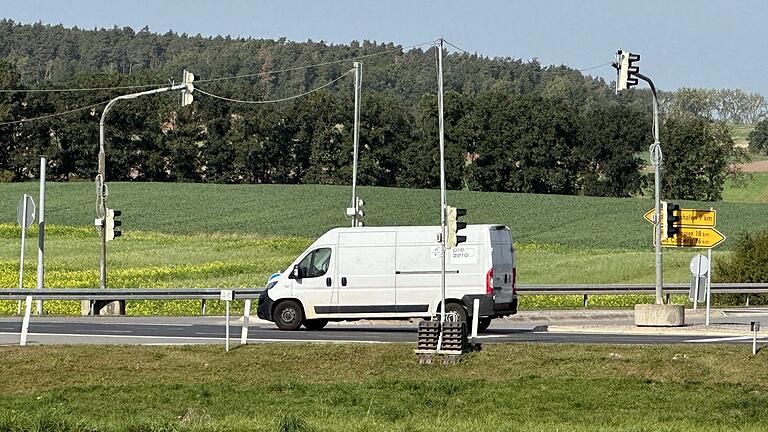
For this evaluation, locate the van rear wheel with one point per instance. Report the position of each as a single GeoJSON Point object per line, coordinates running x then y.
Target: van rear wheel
{"type": "Point", "coordinates": [455, 312]}
{"type": "Point", "coordinates": [288, 315]}
{"type": "Point", "coordinates": [315, 324]}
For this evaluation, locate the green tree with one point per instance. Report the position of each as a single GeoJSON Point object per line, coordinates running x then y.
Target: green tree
{"type": "Point", "coordinates": [697, 158]}
{"type": "Point", "coordinates": [758, 138]}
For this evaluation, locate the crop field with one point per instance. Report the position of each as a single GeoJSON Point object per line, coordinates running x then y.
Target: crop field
{"type": "Point", "coordinates": [199, 235]}
{"type": "Point", "coordinates": [273, 387]}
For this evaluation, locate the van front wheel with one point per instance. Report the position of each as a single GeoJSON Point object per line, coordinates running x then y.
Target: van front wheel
{"type": "Point", "coordinates": [288, 315]}
{"type": "Point", "coordinates": [455, 312]}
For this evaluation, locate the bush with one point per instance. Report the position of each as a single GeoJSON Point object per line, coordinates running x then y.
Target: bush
{"type": "Point", "coordinates": [748, 263]}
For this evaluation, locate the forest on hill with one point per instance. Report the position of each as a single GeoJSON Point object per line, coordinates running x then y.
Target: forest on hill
{"type": "Point", "coordinates": [511, 125]}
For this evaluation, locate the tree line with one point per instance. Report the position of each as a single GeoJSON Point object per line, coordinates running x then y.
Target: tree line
{"type": "Point", "coordinates": [511, 125]}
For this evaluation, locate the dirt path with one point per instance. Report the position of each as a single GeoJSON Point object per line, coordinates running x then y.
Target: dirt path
{"type": "Point", "coordinates": [758, 166]}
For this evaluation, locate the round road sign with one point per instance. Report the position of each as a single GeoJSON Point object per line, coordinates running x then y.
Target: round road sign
{"type": "Point", "coordinates": [699, 265]}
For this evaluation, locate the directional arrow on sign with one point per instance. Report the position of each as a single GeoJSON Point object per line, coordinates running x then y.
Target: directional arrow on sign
{"type": "Point", "coordinates": [695, 237]}
{"type": "Point", "coordinates": [690, 217]}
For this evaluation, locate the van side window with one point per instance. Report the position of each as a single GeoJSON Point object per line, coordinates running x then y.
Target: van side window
{"type": "Point", "coordinates": [316, 263]}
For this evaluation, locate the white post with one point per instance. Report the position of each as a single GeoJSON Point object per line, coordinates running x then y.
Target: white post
{"type": "Point", "coordinates": [25, 322]}
{"type": "Point", "coordinates": [698, 279]}
{"type": "Point", "coordinates": [246, 318]}
{"type": "Point", "coordinates": [41, 233]}
{"type": "Point", "coordinates": [475, 318]}
{"type": "Point", "coordinates": [23, 242]}
{"type": "Point", "coordinates": [709, 284]}
{"type": "Point", "coordinates": [755, 327]}
{"type": "Point", "coordinates": [226, 343]}
{"type": "Point", "coordinates": [356, 138]}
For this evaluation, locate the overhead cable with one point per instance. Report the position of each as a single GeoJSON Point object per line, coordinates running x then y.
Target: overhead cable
{"type": "Point", "coordinates": [55, 114]}
{"type": "Point", "coordinates": [257, 102]}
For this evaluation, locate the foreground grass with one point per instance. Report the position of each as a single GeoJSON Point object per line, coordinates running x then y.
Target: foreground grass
{"type": "Point", "coordinates": [345, 387]}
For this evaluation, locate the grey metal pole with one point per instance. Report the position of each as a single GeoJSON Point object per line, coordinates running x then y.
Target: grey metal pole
{"type": "Point", "coordinates": [41, 233]}
{"type": "Point", "coordinates": [656, 160]}
{"type": "Point", "coordinates": [358, 83]}
{"type": "Point", "coordinates": [102, 211]}
{"type": "Point", "coordinates": [442, 181]}
{"type": "Point", "coordinates": [23, 242]}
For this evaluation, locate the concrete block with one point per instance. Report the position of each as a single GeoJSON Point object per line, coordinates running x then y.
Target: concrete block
{"type": "Point", "coordinates": [659, 315]}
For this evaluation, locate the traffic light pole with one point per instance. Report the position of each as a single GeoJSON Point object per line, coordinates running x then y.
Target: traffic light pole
{"type": "Point", "coordinates": [101, 212]}
{"type": "Point", "coordinates": [656, 161]}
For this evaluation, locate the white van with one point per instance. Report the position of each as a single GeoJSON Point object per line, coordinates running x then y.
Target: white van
{"type": "Point", "coordinates": [393, 273]}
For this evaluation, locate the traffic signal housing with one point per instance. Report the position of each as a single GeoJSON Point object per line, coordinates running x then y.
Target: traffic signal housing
{"type": "Point", "coordinates": [356, 212]}
{"type": "Point", "coordinates": [186, 95]}
{"type": "Point", "coordinates": [454, 225]}
{"type": "Point", "coordinates": [113, 224]}
{"type": "Point", "coordinates": [627, 70]}
{"type": "Point", "coordinates": [670, 222]}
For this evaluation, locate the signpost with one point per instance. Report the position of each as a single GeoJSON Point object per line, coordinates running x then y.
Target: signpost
{"type": "Point", "coordinates": [227, 296]}
{"type": "Point", "coordinates": [25, 215]}
{"type": "Point", "coordinates": [696, 229]}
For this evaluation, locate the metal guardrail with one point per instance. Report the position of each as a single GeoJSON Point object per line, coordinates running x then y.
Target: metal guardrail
{"type": "Point", "coordinates": [618, 289]}
{"type": "Point", "coordinates": [127, 293]}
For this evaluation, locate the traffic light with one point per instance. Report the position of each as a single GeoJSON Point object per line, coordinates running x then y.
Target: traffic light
{"type": "Point", "coordinates": [670, 221]}
{"type": "Point", "coordinates": [627, 71]}
{"type": "Point", "coordinates": [186, 94]}
{"type": "Point", "coordinates": [112, 224]}
{"type": "Point", "coordinates": [454, 225]}
{"type": "Point", "coordinates": [356, 212]}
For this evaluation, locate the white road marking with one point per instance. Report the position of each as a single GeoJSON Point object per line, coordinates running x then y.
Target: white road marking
{"type": "Point", "coordinates": [220, 339]}
{"type": "Point", "coordinates": [723, 339]}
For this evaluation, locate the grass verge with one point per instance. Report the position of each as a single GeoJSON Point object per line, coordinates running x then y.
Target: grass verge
{"type": "Point", "coordinates": [273, 387]}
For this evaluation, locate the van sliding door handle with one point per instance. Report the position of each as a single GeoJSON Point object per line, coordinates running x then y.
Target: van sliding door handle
{"type": "Point", "coordinates": [327, 281]}
{"type": "Point", "coordinates": [344, 281]}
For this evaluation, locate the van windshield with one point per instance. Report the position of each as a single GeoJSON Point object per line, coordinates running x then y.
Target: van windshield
{"type": "Point", "coordinates": [316, 263]}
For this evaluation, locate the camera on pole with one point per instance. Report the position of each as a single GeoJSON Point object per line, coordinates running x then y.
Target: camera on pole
{"type": "Point", "coordinates": [626, 70]}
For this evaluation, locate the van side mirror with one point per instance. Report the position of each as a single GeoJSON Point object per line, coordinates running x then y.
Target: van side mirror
{"type": "Point", "coordinates": [296, 273]}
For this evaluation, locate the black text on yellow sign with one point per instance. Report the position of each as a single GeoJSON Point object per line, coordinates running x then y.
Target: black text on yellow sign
{"type": "Point", "coordinates": [695, 237]}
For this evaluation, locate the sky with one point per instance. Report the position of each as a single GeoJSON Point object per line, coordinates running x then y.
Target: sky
{"type": "Point", "coordinates": [682, 43]}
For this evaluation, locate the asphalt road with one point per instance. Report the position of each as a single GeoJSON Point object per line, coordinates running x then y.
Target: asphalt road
{"type": "Point", "coordinates": [210, 330]}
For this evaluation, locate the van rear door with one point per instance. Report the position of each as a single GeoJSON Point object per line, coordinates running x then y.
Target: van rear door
{"type": "Point", "coordinates": [503, 263]}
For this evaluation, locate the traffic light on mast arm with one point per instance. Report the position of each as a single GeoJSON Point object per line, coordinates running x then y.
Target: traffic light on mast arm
{"type": "Point", "coordinates": [626, 70]}
{"type": "Point", "coordinates": [670, 222]}
{"type": "Point", "coordinates": [454, 225]}
{"type": "Point", "coordinates": [113, 224]}
{"type": "Point", "coordinates": [186, 94]}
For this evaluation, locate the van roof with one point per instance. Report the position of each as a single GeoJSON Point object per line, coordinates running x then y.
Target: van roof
{"type": "Point", "coordinates": [473, 227]}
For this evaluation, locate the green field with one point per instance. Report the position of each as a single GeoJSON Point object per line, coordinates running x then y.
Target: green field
{"type": "Point", "coordinates": [274, 387]}
{"type": "Point", "coordinates": [739, 134]}
{"type": "Point", "coordinates": [206, 235]}
{"type": "Point", "coordinates": [754, 191]}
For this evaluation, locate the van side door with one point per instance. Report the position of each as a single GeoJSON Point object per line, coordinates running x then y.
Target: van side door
{"type": "Point", "coordinates": [366, 273]}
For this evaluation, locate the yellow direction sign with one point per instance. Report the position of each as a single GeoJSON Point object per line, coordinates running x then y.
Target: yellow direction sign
{"type": "Point", "coordinates": [649, 215]}
{"type": "Point", "coordinates": [695, 237]}
{"type": "Point", "coordinates": [690, 217]}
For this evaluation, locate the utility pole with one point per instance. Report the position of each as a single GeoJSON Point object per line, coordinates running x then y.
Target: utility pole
{"type": "Point", "coordinates": [443, 231]}
{"type": "Point", "coordinates": [358, 85]}
{"type": "Point", "coordinates": [102, 190]}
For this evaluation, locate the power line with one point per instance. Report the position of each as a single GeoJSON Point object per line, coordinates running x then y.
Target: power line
{"type": "Point", "coordinates": [266, 73]}
{"type": "Point", "coordinates": [55, 114]}
{"type": "Point", "coordinates": [256, 102]}
{"type": "Point", "coordinates": [291, 69]}
{"type": "Point", "coordinates": [594, 67]}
